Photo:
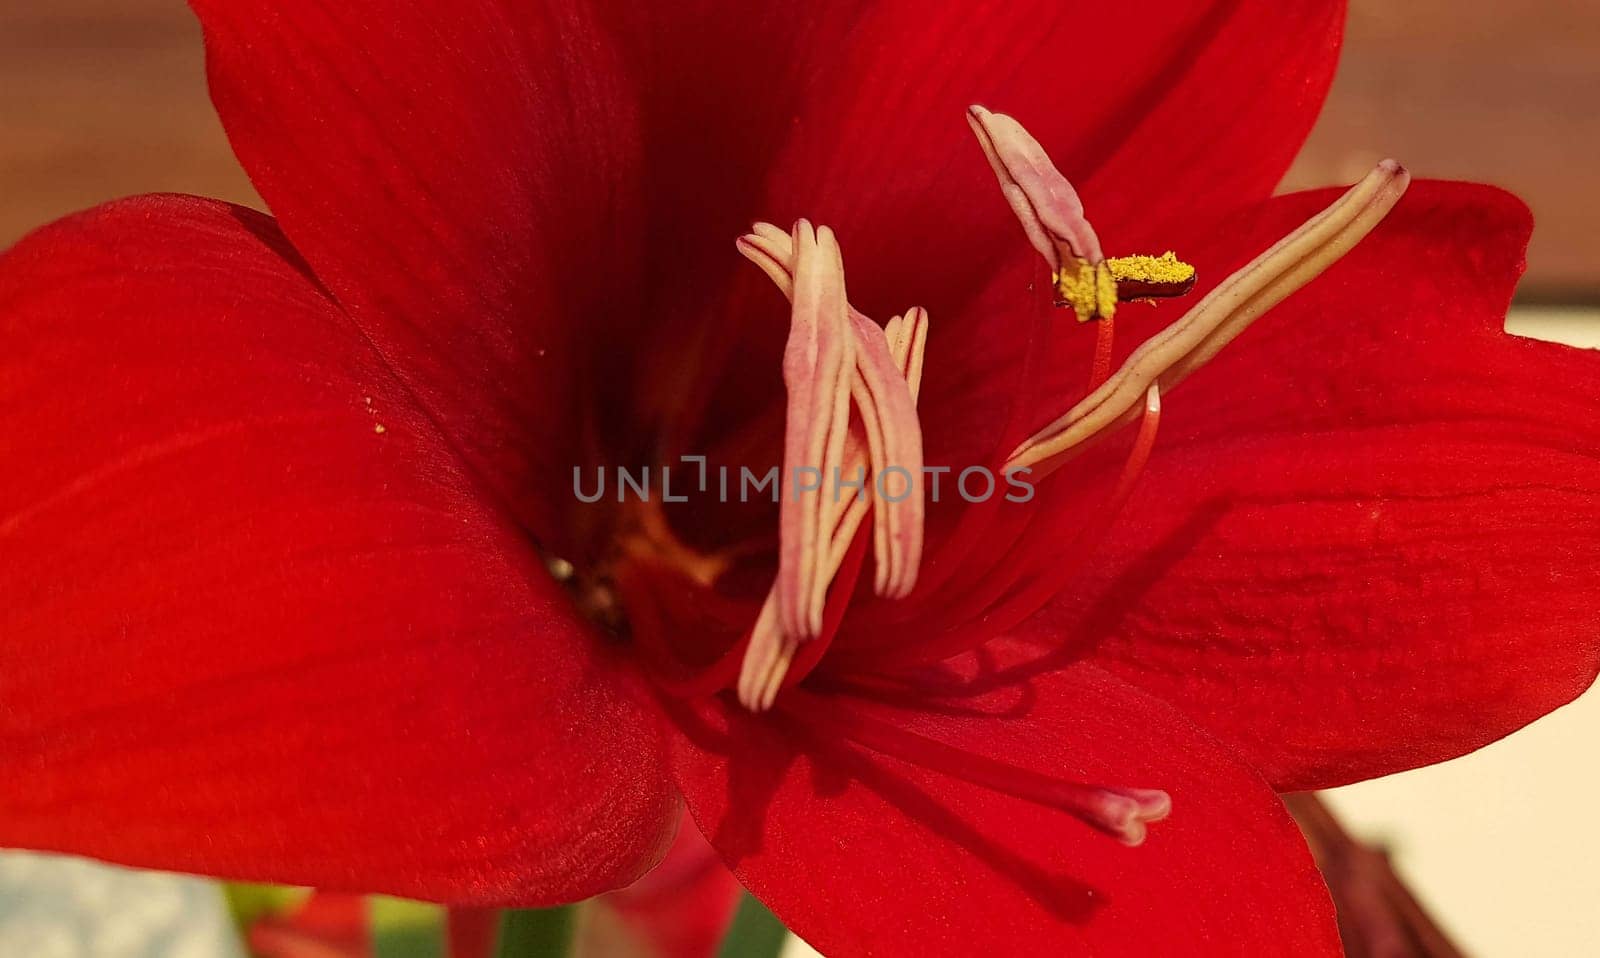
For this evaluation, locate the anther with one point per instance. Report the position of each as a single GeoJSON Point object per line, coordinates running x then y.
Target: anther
{"type": "Point", "coordinates": [1052, 216]}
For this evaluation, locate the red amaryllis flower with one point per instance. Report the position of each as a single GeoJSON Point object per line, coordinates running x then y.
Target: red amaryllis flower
{"type": "Point", "coordinates": [282, 494]}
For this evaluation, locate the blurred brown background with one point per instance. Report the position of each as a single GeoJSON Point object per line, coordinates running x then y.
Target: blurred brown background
{"type": "Point", "coordinates": [1503, 93]}
{"type": "Point", "coordinates": [102, 98]}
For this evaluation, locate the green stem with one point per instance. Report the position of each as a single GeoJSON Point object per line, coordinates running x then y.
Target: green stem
{"type": "Point", "coordinates": [249, 903]}
{"type": "Point", "coordinates": [406, 929]}
{"type": "Point", "coordinates": [536, 932]}
{"type": "Point", "coordinates": [755, 932]}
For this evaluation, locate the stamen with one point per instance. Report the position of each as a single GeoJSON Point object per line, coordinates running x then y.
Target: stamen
{"type": "Point", "coordinates": [1171, 355]}
{"type": "Point", "coordinates": [790, 662]}
{"type": "Point", "coordinates": [773, 250]}
{"type": "Point", "coordinates": [817, 368]}
{"type": "Point", "coordinates": [886, 398]}
{"type": "Point", "coordinates": [1052, 217]}
{"type": "Point", "coordinates": [895, 453]}
{"type": "Point", "coordinates": [766, 659]}
{"type": "Point", "coordinates": [886, 374]}
{"type": "Point", "coordinates": [1120, 812]}
{"type": "Point", "coordinates": [906, 339]}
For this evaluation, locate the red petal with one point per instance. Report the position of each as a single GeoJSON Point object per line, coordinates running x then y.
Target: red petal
{"type": "Point", "coordinates": [248, 632]}
{"type": "Point", "coordinates": [458, 174]}
{"type": "Point", "coordinates": [862, 854]}
{"type": "Point", "coordinates": [1367, 538]}
{"type": "Point", "coordinates": [856, 116]}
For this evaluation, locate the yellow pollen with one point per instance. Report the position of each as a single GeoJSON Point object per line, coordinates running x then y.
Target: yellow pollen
{"type": "Point", "coordinates": [1166, 269]}
{"type": "Point", "coordinates": [1089, 288]}
{"type": "Point", "coordinates": [1105, 290]}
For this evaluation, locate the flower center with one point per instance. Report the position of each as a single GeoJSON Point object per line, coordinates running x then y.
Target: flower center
{"type": "Point", "coordinates": [851, 412]}
{"type": "Point", "coordinates": [851, 427]}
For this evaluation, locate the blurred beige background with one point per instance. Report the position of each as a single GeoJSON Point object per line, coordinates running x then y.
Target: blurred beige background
{"type": "Point", "coordinates": [103, 98]}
